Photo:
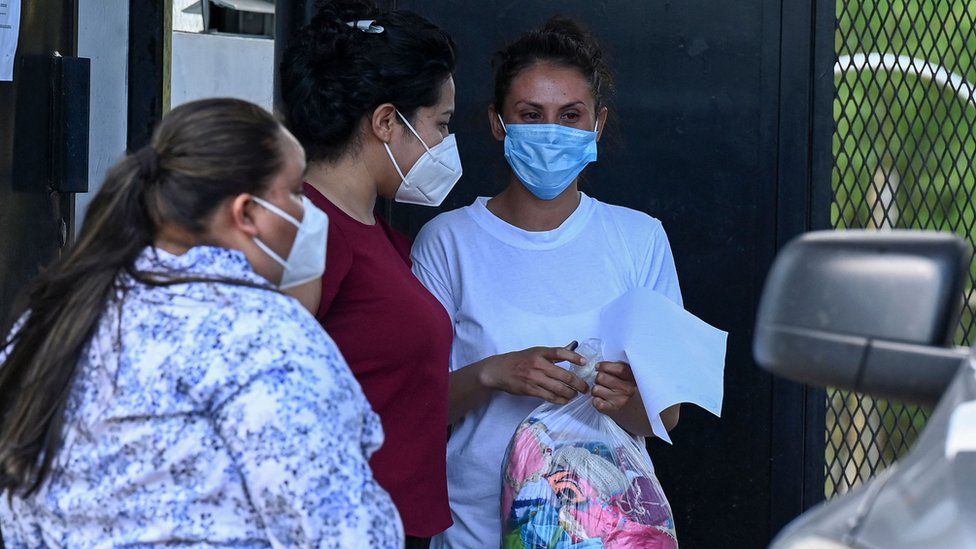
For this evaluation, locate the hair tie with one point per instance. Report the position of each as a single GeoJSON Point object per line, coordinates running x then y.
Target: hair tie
{"type": "Point", "coordinates": [368, 26]}
{"type": "Point", "coordinates": [148, 160]}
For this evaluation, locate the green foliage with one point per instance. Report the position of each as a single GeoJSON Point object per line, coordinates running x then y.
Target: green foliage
{"type": "Point", "coordinates": [904, 150]}
{"type": "Point", "coordinates": [905, 146]}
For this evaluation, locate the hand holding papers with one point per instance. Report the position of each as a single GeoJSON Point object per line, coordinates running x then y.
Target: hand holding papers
{"type": "Point", "coordinates": [675, 356]}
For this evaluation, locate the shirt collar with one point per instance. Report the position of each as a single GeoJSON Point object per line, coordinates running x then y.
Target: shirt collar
{"type": "Point", "coordinates": [201, 261]}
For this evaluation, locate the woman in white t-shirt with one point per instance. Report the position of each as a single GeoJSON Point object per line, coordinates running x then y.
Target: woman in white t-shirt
{"type": "Point", "coordinates": [524, 273]}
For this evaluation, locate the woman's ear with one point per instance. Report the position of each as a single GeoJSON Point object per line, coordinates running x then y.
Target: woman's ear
{"type": "Point", "coordinates": [601, 121]}
{"type": "Point", "coordinates": [383, 121]}
{"type": "Point", "coordinates": [241, 214]}
{"type": "Point", "coordinates": [497, 130]}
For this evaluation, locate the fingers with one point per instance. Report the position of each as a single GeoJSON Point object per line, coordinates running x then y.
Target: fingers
{"type": "Point", "coordinates": [615, 384]}
{"type": "Point", "coordinates": [611, 398]}
{"type": "Point", "coordinates": [533, 372]}
{"type": "Point", "coordinates": [604, 406]}
{"type": "Point", "coordinates": [573, 381]}
{"type": "Point", "coordinates": [621, 370]}
{"type": "Point", "coordinates": [549, 355]}
{"type": "Point", "coordinates": [557, 387]}
{"type": "Point", "coordinates": [545, 394]}
{"type": "Point", "coordinates": [560, 354]}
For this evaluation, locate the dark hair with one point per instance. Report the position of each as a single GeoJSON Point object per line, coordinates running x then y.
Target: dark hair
{"type": "Point", "coordinates": [332, 74]}
{"type": "Point", "coordinates": [201, 154]}
{"type": "Point", "coordinates": [560, 41]}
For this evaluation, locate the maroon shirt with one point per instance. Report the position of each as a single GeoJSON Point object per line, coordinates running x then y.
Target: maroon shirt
{"type": "Point", "coordinates": [396, 337]}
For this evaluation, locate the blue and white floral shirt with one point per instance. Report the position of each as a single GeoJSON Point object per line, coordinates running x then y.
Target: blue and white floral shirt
{"type": "Point", "coordinates": [210, 414]}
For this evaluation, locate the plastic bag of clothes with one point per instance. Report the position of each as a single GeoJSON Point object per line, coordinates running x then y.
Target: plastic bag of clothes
{"type": "Point", "coordinates": [573, 478]}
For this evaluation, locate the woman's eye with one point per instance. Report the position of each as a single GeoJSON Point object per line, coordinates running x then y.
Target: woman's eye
{"type": "Point", "coordinates": [531, 116]}
{"type": "Point", "coordinates": [571, 116]}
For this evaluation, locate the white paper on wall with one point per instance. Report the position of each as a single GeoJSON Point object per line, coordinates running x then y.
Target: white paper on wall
{"type": "Point", "coordinates": [9, 33]}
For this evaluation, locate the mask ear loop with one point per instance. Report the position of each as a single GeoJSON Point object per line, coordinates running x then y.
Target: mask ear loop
{"type": "Point", "coordinates": [275, 209]}
{"type": "Point", "coordinates": [284, 215]}
{"type": "Point", "coordinates": [417, 135]}
{"type": "Point", "coordinates": [413, 131]}
{"type": "Point", "coordinates": [395, 165]}
{"type": "Point", "coordinates": [271, 253]}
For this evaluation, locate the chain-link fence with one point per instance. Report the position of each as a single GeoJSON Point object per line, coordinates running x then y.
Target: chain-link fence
{"type": "Point", "coordinates": [904, 151]}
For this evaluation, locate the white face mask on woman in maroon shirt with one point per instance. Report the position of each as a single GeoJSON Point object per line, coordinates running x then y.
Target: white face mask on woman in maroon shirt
{"type": "Point", "coordinates": [432, 176]}
{"type": "Point", "coordinates": [306, 259]}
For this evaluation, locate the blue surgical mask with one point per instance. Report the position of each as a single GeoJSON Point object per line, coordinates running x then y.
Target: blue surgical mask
{"type": "Point", "coordinates": [547, 158]}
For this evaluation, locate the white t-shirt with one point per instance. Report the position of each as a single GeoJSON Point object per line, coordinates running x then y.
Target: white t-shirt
{"type": "Point", "coordinates": [507, 289]}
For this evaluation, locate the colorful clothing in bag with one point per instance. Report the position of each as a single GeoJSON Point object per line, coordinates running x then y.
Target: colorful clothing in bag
{"type": "Point", "coordinates": [549, 505]}
{"type": "Point", "coordinates": [574, 479]}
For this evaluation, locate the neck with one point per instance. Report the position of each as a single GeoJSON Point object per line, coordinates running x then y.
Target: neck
{"type": "Point", "coordinates": [517, 206]}
{"type": "Point", "coordinates": [175, 240]}
{"type": "Point", "coordinates": [348, 184]}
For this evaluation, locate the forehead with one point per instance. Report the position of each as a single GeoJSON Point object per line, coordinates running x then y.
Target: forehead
{"type": "Point", "coordinates": [447, 91]}
{"type": "Point", "coordinates": [445, 98]}
{"type": "Point", "coordinates": [444, 105]}
{"type": "Point", "coordinates": [546, 83]}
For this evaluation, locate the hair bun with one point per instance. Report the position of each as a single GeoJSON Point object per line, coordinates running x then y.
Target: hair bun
{"type": "Point", "coordinates": [568, 28]}
{"type": "Point", "coordinates": [561, 41]}
{"type": "Point", "coordinates": [342, 11]}
{"type": "Point", "coordinates": [333, 74]}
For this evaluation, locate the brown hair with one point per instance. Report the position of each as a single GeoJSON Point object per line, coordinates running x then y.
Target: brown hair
{"type": "Point", "coordinates": [201, 154]}
{"type": "Point", "coordinates": [560, 41]}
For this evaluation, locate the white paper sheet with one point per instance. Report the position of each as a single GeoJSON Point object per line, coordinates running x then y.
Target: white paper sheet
{"type": "Point", "coordinates": [9, 32]}
{"type": "Point", "coordinates": [676, 357]}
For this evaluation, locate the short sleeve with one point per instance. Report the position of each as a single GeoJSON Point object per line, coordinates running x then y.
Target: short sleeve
{"type": "Point", "coordinates": [657, 268]}
{"type": "Point", "coordinates": [431, 266]}
{"type": "Point", "coordinates": [338, 262]}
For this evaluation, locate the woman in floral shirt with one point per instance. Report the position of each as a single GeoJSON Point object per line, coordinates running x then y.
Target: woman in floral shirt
{"type": "Point", "coordinates": [159, 389]}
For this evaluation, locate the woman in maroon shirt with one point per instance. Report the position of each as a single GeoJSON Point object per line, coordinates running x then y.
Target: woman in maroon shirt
{"type": "Point", "coordinates": [369, 94]}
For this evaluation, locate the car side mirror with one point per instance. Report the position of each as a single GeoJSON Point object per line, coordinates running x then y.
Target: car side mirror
{"type": "Point", "coordinates": [873, 312]}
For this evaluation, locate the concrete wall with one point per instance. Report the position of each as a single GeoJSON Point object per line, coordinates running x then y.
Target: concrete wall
{"type": "Point", "coordinates": [214, 65]}
{"type": "Point", "coordinates": [188, 15]}
{"type": "Point", "coordinates": [103, 36]}
{"type": "Point", "coordinates": [203, 65]}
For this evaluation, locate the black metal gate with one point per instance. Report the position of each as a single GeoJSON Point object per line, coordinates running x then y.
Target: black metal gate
{"type": "Point", "coordinates": [904, 151]}
{"type": "Point", "coordinates": [43, 145]}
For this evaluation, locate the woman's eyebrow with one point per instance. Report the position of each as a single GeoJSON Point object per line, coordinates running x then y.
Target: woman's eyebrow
{"type": "Point", "coordinates": [539, 106]}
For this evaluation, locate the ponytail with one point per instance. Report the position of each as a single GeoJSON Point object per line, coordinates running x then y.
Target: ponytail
{"type": "Point", "coordinates": [202, 153]}
{"type": "Point", "coordinates": [65, 306]}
